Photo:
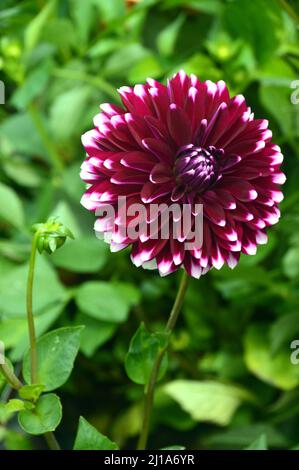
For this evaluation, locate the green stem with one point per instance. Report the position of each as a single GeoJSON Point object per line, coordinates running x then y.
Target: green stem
{"type": "Point", "coordinates": [11, 378]}
{"type": "Point", "coordinates": [46, 140]}
{"type": "Point", "coordinates": [149, 396]}
{"type": "Point", "coordinates": [51, 441]}
{"type": "Point", "coordinates": [30, 319]}
{"type": "Point", "coordinates": [49, 436]}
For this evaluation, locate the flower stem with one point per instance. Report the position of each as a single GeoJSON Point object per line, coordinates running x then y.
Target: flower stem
{"type": "Point", "coordinates": [49, 436]}
{"type": "Point", "coordinates": [149, 396]}
{"type": "Point", "coordinates": [30, 319]}
{"type": "Point", "coordinates": [11, 378]}
{"type": "Point", "coordinates": [51, 441]}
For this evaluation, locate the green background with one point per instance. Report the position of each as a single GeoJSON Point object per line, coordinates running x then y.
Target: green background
{"type": "Point", "coordinates": [59, 60]}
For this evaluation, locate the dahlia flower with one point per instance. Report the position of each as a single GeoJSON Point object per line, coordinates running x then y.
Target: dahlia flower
{"type": "Point", "coordinates": [190, 143]}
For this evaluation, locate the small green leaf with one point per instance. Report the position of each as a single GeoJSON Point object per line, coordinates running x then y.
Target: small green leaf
{"type": "Point", "coordinates": [45, 417]}
{"type": "Point", "coordinates": [47, 290]}
{"type": "Point", "coordinates": [11, 209]}
{"type": "Point", "coordinates": [31, 392]}
{"type": "Point", "coordinates": [88, 438]}
{"type": "Point", "coordinates": [67, 110]}
{"type": "Point", "coordinates": [143, 350]}
{"type": "Point", "coordinates": [95, 333]}
{"type": "Point", "coordinates": [259, 444]}
{"type": "Point", "coordinates": [107, 301]}
{"type": "Point", "coordinates": [167, 38]}
{"type": "Point", "coordinates": [34, 85]}
{"type": "Point", "coordinates": [14, 331]}
{"type": "Point", "coordinates": [56, 352]}
{"type": "Point", "coordinates": [84, 255]}
{"type": "Point", "coordinates": [36, 26]}
{"type": "Point", "coordinates": [14, 405]}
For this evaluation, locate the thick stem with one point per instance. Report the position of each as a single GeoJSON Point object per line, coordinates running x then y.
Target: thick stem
{"type": "Point", "coordinates": [30, 319]}
{"type": "Point", "coordinates": [149, 397]}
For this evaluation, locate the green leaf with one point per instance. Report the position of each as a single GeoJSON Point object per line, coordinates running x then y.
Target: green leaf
{"type": "Point", "coordinates": [14, 405]}
{"type": "Point", "coordinates": [56, 352]}
{"type": "Point", "coordinates": [20, 134]}
{"type": "Point", "coordinates": [59, 31]}
{"type": "Point", "coordinates": [36, 26]}
{"type": "Point", "coordinates": [45, 417]}
{"type": "Point", "coordinates": [124, 58]}
{"type": "Point", "coordinates": [11, 209]}
{"type": "Point", "coordinates": [21, 172]}
{"type": "Point", "coordinates": [143, 351]}
{"type": "Point", "coordinates": [239, 437]}
{"type": "Point", "coordinates": [259, 444]}
{"type": "Point", "coordinates": [106, 301]}
{"type": "Point", "coordinates": [210, 401]}
{"type": "Point", "coordinates": [147, 67]}
{"type": "Point", "coordinates": [14, 331]}
{"type": "Point", "coordinates": [167, 37]}
{"type": "Point", "coordinates": [82, 12]}
{"type": "Point", "coordinates": [47, 289]}
{"type": "Point", "coordinates": [83, 255]}
{"type": "Point", "coordinates": [33, 86]}
{"type": "Point", "coordinates": [88, 438]}
{"type": "Point", "coordinates": [95, 333]}
{"type": "Point", "coordinates": [257, 22]}
{"type": "Point", "coordinates": [31, 392]}
{"type": "Point", "coordinates": [67, 111]}
{"type": "Point", "coordinates": [277, 369]}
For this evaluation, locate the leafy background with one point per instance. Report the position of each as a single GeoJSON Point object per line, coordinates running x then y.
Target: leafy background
{"type": "Point", "coordinates": [230, 381]}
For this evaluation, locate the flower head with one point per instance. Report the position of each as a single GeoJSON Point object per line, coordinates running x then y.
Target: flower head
{"type": "Point", "coordinates": [186, 143]}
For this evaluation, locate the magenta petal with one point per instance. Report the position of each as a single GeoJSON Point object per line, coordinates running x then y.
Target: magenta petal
{"type": "Point", "coordinates": [151, 191]}
{"type": "Point", "coordinates": [179, 125]}
{"type": "Point", "coordinates": [161, 173]}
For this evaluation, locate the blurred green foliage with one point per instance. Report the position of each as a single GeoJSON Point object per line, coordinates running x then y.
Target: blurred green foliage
{"type": "Point", "coordinates": [230, 382]}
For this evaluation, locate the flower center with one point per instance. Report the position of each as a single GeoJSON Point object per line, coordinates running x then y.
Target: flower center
{"type": "Point", "coordinates": [197, 168]}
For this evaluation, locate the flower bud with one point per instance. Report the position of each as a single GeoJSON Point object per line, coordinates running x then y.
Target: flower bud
{"type": "Point", "coordinates": [51, 235]}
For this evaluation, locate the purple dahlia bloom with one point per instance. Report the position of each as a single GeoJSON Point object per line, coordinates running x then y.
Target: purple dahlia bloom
{"type": "Point", "coordinates": [187, 143]}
